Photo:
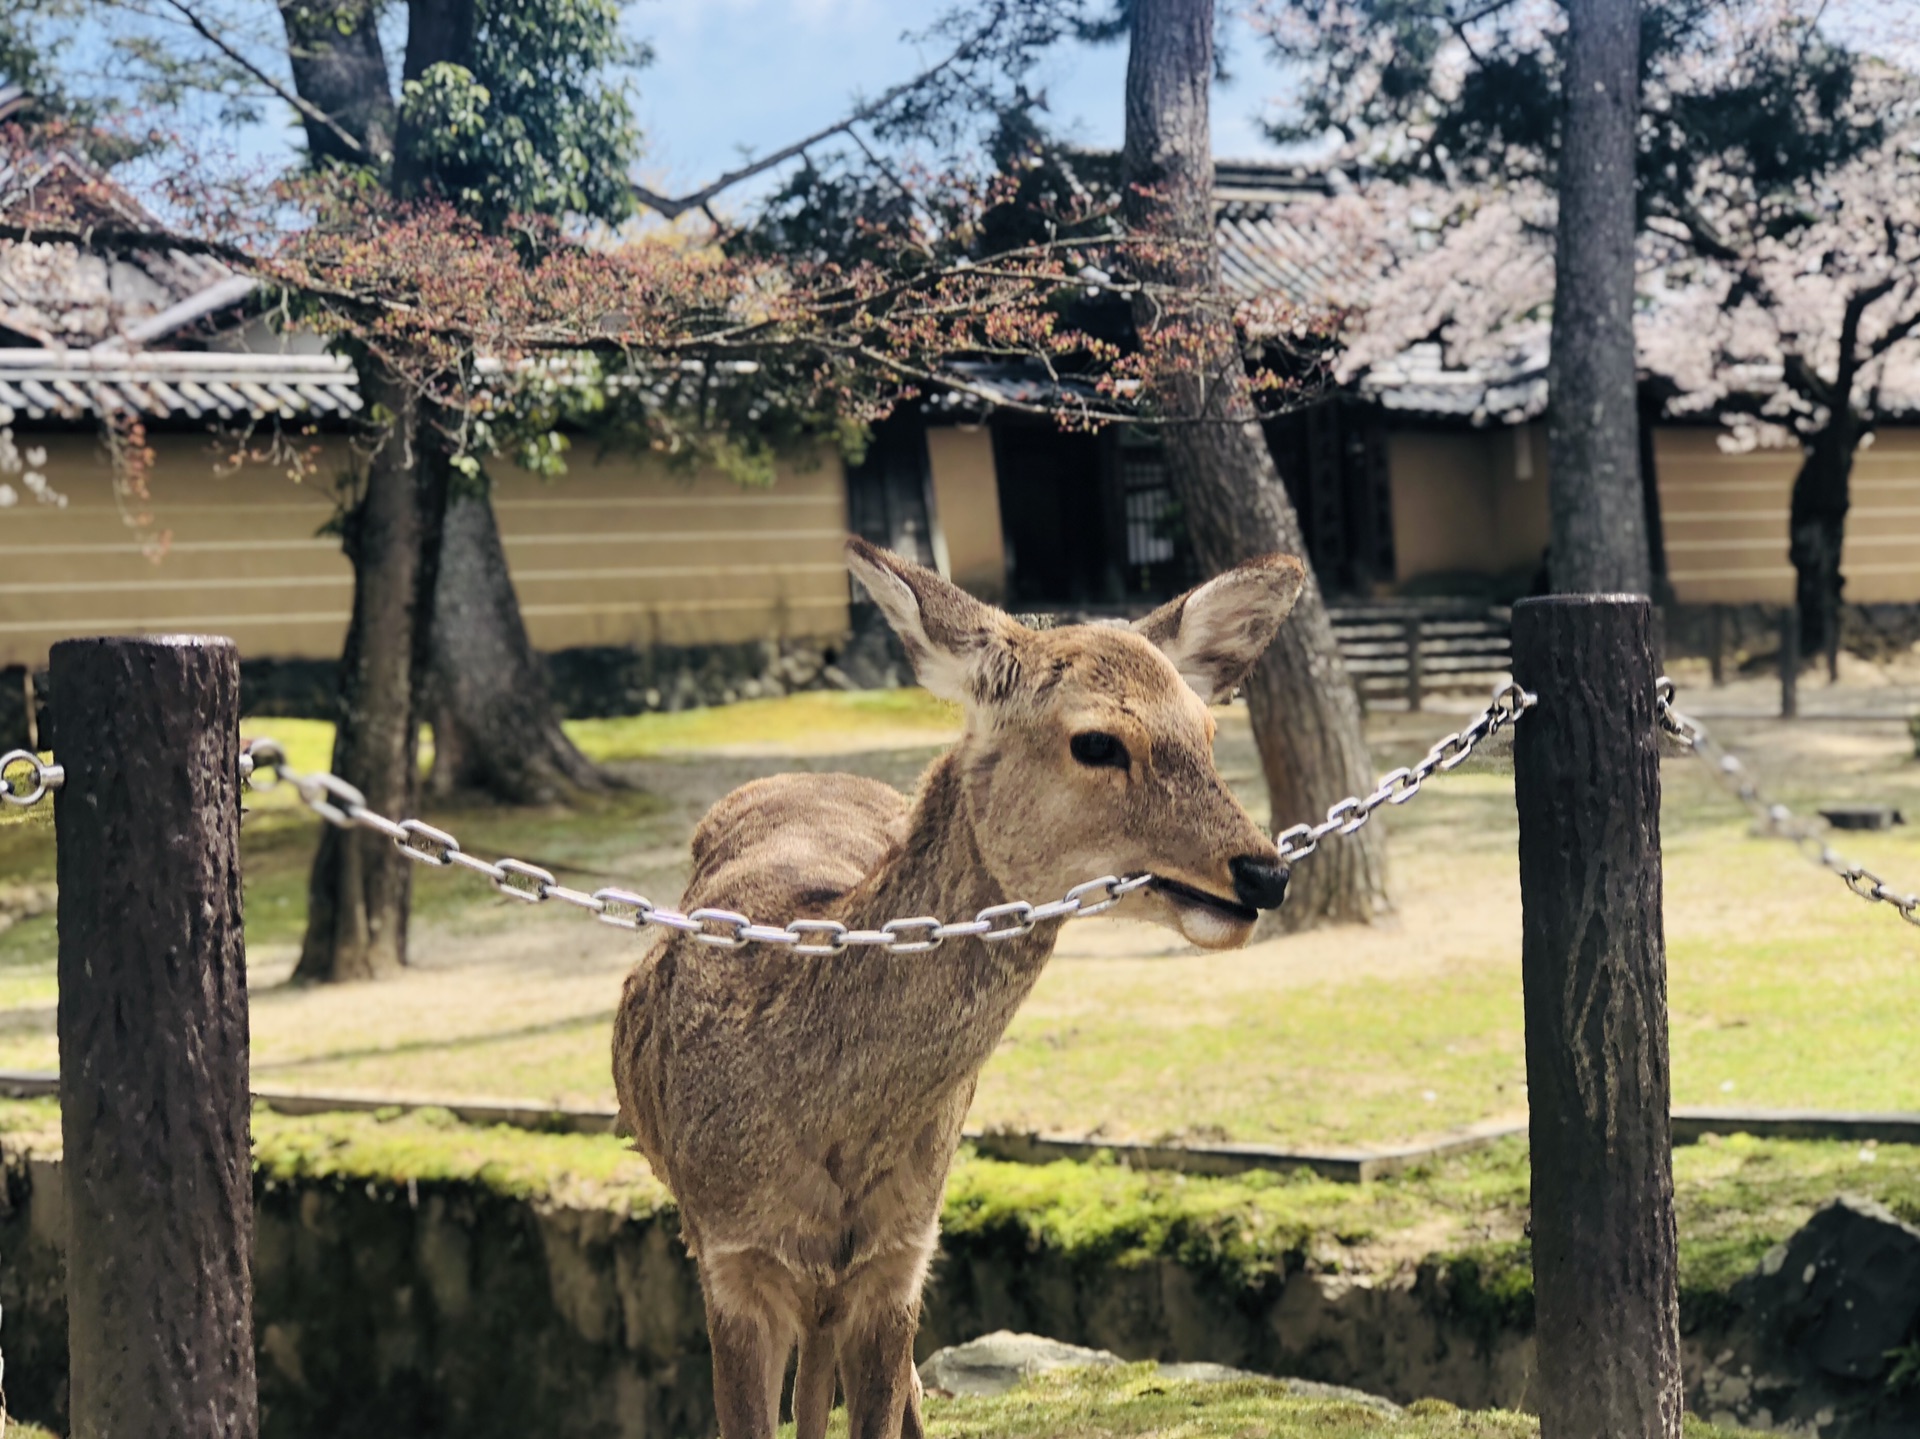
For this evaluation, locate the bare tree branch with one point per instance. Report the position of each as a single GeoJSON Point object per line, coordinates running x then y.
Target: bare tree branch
{"type": "Point", "coordinates": [672, 207]}
{"type": "Point", "coordinates": [307, 109]}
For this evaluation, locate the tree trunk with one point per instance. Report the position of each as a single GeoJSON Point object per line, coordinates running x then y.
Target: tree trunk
{"type": "Point", "coordinates": [1306, 713]}
{"type": "Point", "coordinates": [1817, 531]}
{"type": "Point", "coordinates": [439, 32]}
{"type": "Point", "coordinates": [1599, 514]}
{"type": "Point", "coordinates": [340, 68]}
{"type": "Point", "coordinates": [494, 728]}
{"type": "Point", "coordinates": [358, 895]}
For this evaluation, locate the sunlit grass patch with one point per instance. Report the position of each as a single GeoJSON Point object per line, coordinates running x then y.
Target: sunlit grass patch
{"type": "Point", "coordinates": [840, 719]}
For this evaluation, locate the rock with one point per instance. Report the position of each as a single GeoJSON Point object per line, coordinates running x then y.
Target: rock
{"type": "Point", "coordinates": [1846, 1291]}
{"type": "Point", "coordinates": [994, 1363]}
{"type": "Point", "coordinates": [1304, 1388]}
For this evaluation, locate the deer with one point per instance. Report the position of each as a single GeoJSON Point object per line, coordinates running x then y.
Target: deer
{"type": "Point", "coordinates": [804, 1108]}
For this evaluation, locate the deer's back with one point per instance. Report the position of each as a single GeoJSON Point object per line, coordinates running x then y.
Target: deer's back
{"type": "Point", "coordinates": [793, 845]}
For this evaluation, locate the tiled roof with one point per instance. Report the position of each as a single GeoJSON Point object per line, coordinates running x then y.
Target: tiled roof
{"type": "Point", "coordinates": [81, 384]}
{"type": "Point", "coordinates": [1419, 381]}
{"type": "Point", "coordinates": [57, 294]}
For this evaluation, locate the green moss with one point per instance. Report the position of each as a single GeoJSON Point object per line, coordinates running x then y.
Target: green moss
{"type": "Point", "coordinates": [431, 1146]}
{"type": "Point", "coordinates": [1491, 1286]}
{"type": "Point", "coordinates": [1135, 1399]}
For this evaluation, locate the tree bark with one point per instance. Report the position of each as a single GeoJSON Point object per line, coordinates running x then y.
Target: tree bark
{"type": "Point", "coordinates": [1306, 712]}
{"type": "Point", "coordinates": [358, 894]}
{"type": "Point", "coordinates": [1599, 518]}
{"type": "Point", "coordinates": [340, 68]}
{"type": "Point", "coordinates": [1817, 525]}
{"type": "Point", "coordinates": [153, 1040]}
{"type": "Point", "coordinates": [439, 32]}
{"type": "Point", "coordinates": [494, 728]}
{"type": "Point", "coordinates": [1593, 966]}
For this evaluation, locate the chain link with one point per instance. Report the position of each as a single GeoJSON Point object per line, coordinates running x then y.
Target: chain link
{"type": "Point", "coordinates": [344, 807]}
{"type": "Point", "coordinates": [1400, 785]}
{"type": "Point", "coordinates": [42, 778]}
{"type": "Point", "coordinates": [1774, 819]}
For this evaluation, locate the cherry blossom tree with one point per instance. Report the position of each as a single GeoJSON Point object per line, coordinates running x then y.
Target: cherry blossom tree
{"type": "Point", "coordinates": [1774, 180]}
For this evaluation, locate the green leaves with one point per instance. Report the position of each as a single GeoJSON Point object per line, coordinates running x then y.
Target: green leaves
{"type": "Point", "coordinates": [540, 121]}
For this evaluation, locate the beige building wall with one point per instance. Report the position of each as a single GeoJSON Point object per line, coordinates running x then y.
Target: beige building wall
{"type": "Point", "coordinates": [1470, 501]}
{"type": "Point", "coordinates": [618, 552]}
{"type": "Point", "coordinates": [1726, 520]}
{"type": "Point", "coordinates": [1477, 502]}
{"type": "Point", "coordinates": [966, 503]}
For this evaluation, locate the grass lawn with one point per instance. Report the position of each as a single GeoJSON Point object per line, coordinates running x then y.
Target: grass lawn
{"type": "Point", "coordinates": [1785, 990]}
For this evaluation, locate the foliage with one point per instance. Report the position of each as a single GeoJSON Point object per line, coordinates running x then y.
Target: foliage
{"type": "Point", "coordinates": [1777, 189]}
{"type": "Point", "coordinates": [534, 125]}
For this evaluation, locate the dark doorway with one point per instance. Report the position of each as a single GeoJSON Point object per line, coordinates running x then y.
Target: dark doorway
{"type": "Point", "coordinates": [887, 490]}
{"type": "Point", "coordinates": [1055, 515]}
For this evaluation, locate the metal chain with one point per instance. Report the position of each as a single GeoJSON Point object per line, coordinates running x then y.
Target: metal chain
{"type": "Point", "coordinates": [43, 778]}
{"type": "Point", "coordinates": [1398, 786]}
{"type": "Point", "coordinates": [1774, 819]}
{"type": "Point", "coordinates": [343, 806]}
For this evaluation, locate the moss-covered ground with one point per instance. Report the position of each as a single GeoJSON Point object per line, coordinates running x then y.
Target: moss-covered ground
{"type": "Point", "coordinates": [1785, 990]}
{"type": "Point", "coordinates": [1737, 1197]}
{"type": "Point", "coordinates": [1136, 1400]}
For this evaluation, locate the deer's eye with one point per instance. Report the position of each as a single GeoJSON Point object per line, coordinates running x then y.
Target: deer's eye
{"type": "Point", "coordinates": [1099, 750]}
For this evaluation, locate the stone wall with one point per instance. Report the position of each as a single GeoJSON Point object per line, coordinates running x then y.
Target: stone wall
{"type": "Point", "coordinates": [1750, 634]}
{"type": "Point", "coordinates": [413, 1309]}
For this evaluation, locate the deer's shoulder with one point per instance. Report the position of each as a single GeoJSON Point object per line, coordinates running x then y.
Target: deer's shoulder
{"type": "Point", "coordinates": [797, 839]}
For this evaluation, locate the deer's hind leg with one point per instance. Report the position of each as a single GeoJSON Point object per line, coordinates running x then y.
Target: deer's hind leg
{"type": "Point", "coordinates": [876, 1369]}
{"type": "Point", "coordinates": [813, 1381]}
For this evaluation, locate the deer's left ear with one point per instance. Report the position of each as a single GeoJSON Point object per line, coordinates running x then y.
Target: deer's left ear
{"type": "Point", "coordinates": [951, 638]}
{"type": "Point", "coordinates": [1215, 632]}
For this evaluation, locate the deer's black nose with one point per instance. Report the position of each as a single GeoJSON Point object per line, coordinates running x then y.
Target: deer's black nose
{"type": "Point", "coordinates": [1259, 882]}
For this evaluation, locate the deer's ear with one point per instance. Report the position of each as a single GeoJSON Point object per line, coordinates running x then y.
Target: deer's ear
{"type": "Point", "coordinates": [948, 635]}
{"type": "Point", "coordinates": [1215, 632]}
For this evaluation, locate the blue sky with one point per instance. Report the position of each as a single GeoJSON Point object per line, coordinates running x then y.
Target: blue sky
{"type": "Point", "coordinates": [738, 77]}
{"type": "Point", "coordinates": [730, 75]}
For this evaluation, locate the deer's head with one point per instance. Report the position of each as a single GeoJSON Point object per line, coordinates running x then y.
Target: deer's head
{"type": "Point", "coordinates": [1088, 749]}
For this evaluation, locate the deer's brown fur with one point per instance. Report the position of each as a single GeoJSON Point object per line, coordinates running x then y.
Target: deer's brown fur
{"type": "Point", "coordinates": [805, 1109]}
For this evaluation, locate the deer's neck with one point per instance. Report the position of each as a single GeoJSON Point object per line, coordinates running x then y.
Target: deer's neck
{"type": "Point", "coordinates": [938, 869]}
{"type": "Point", "coordinates": [957, 1000]}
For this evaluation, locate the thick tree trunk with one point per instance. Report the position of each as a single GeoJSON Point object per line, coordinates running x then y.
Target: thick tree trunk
{"type": "Point", "coordinates": [1817, 531]}
{"type": "Point", "coordinates": [494, 728]}
{"type": "Point", "coordinates": [439, 32]}
{"type": "Point", "coordinates": [358, 895]}
{"type": "Point", "coordinates": [1599, 513]}
{"type": "Point", "coordinates": [340, 68]}
{"type": "Point", "coordinates": [1306, 713]}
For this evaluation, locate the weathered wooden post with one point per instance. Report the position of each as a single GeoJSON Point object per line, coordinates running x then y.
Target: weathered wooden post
{"type": "Point", "coordinates": [153, 1039]}
{"type": "Point", "coordinates": [1593, 963]}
